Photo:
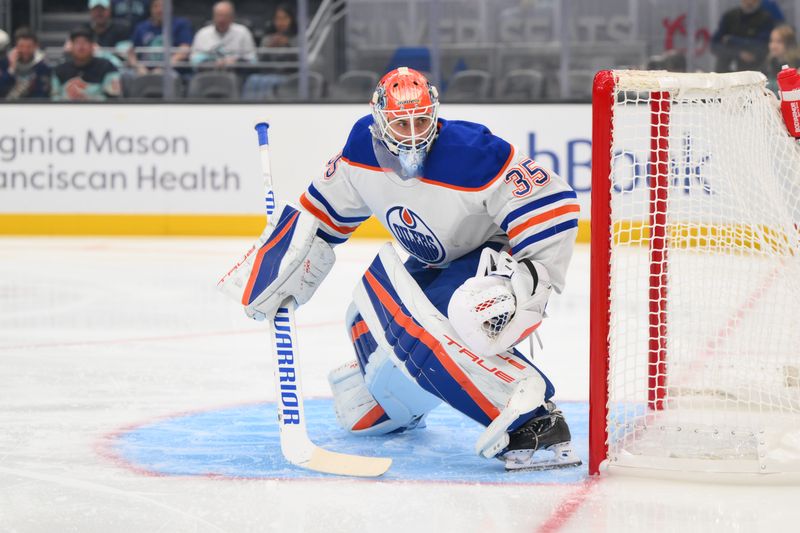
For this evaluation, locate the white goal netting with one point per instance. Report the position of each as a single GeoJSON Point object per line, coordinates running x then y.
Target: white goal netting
{"type": "Point", "coordinates": [704, 344]}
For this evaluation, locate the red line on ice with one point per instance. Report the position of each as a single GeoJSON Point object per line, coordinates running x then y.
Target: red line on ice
{"type": "Point", "coordinates": [568, 507]}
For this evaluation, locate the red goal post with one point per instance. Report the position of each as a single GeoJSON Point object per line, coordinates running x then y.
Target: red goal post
{"type": "Point", "coordinates": [695, 277]}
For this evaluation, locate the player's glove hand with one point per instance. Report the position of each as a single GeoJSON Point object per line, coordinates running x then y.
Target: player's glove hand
{"type": "Point", "coordinates": [502, 305]}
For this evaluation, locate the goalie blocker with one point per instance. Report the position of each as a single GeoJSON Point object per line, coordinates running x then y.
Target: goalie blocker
{"type": "Point", "coordinates": [288, 260]}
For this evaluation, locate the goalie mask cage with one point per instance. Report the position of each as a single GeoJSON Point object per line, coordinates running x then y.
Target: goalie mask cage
{"type": "Point", "coordinates": [695, 284]}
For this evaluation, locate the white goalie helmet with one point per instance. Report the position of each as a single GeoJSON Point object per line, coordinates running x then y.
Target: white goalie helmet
{"type": "Point", "coordinates": [405, 107]}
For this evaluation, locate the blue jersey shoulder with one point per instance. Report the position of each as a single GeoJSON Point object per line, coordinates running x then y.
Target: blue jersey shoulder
{"type": "Point", "coordinates": [358, 148]}
{"type": "Point", "coordinates": [465, 155]}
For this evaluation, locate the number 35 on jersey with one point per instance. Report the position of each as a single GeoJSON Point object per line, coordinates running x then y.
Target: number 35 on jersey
{"type": "Point", "coordinates": [525, 176]}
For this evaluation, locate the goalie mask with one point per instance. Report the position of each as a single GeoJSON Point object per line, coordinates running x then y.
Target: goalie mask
{"type": "Point", "coordinates": [404, 110]}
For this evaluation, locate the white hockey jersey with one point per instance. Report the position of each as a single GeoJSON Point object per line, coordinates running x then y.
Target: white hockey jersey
{"type": "Point", "coordinates": [476, 188]}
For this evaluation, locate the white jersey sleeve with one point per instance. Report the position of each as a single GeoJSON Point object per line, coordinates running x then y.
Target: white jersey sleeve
{"type": "Point", "coordinates": [538, 211]}
{"type": "Point", "coordinates": [333, 200]}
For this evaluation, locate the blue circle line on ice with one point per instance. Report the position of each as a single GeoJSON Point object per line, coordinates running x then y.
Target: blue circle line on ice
{"type": "Point", "coordinates": [242, 442]}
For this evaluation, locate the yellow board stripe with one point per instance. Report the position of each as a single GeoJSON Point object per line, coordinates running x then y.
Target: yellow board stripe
{"type": "Point", "coordinates": [705, 236]}
{"type": "Point", "coordinates": [174, 225]}
{"type": "Point", "coordinates": [584, 232]}
{"type": "Point", "coordinates": [83, 224]}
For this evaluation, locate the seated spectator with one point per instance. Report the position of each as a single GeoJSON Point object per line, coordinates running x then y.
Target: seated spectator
{"type": "Point", "coordinates": [774, 9]}
{"type": "Point", "coordinates": [148, 33]}
{"type": "Point", "coordinates": [783, 50]}
{"type": "Point", "coordinates": [5, 42]}
{"type": "Point", "coordinates": [281, 33]}
{"type": "Point", "coordinates": [283, 30]}
{"type": "Point", "coordinates": [24, 74]}
{"type": "Point", "coordinates": [108, 32]}
{"type": "Point", "coordinates": [740, 42]}
{"type": "Point", "coordinates": [130, 12]}
{"type": "Point", "coordinates": [84, 76]}
{"type": "Point", "coordinates": [223, 42]}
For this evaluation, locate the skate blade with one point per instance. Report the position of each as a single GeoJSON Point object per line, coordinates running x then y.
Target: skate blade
{"type": "Point", "coordinates": [542, 466]}
{"type": "Point", "coordinates": [552, 458]}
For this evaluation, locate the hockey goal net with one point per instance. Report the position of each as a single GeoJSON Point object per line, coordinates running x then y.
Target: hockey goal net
{"type": "Point", "coordinates": [695, 341]}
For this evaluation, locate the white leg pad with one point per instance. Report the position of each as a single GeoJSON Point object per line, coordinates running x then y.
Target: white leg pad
{"type": "Point", "coordinates": [527, 396]}
{"type": "Point", "coordinates": [382, 401]}
{"type": "Point", "coordinates": [495, 376]}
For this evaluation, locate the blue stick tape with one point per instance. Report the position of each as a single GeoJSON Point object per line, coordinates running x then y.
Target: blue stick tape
{"type": "Point", "coordinates": [261, 129]}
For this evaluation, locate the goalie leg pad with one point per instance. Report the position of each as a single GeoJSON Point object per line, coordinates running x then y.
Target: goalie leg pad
{"type": "Point", "coordinates": [372, 395]}
{"type": "Point", "coordinates": [421, 340]}
{"type": "Point", "coordinates": [364, 343]}
{"type": "Point", "coordinates": [356, 409]}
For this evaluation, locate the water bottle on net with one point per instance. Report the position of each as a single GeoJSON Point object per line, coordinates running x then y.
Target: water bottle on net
{"type": "Point", "coordinates": [789, 84]}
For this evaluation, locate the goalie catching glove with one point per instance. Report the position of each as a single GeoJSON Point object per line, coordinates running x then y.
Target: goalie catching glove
{"type": "Point", "coordinates": [288, 260]}
{"type": "Point", "coordinates": [502, 305]}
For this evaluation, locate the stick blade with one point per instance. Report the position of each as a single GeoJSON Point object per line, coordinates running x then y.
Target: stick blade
{"type": "Point", "coordinates": [343, 464]}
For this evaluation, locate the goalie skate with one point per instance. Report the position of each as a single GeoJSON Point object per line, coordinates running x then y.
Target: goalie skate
{"type": "Point", "coordinates": [543, 443]}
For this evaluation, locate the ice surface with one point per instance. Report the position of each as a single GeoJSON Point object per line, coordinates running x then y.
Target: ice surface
{"type": "Point", "coordinates": [102, 340]}
{"type": "Point", "coordinates": [243, 442]}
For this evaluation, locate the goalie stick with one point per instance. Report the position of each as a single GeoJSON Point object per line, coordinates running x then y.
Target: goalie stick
{"type": "Point", "coordinates": [297, 448]}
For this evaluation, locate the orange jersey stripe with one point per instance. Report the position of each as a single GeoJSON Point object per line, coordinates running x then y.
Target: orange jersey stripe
{"type": "Point", "coordinates": [362, 165]}
{"type": "Point", "coordinates": [311, 208]}
{"type": "Point", "coordinates": [257, 264]}
{"type": "Point", "coordinates": [358, 329]}
{"type": "Point", "coordinates": [434, 345]}
{"type": "Point", "coordinates": [370, 418]}
{"type": "Point", "coordinates": [543, 217]}
{"type": "Point", "coordinates": [473, 189]}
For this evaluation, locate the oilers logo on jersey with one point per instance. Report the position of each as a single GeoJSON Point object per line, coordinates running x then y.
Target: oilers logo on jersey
{"type": "Point", "coordinates": [414, 235]}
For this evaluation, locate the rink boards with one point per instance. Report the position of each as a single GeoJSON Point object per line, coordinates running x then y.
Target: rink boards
{"type": "Point", "coordinates": [128, 169]}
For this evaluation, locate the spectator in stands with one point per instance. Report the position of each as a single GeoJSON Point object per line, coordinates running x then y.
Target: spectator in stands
{"type": "Point", "coordinates": [84, 76]}
{"type": "Point", "coordinates": [741, 41]}
{"type": "Point", "coordinates": [148, 33]}
{"type": "Point", "coordinates": [108, 33]}
{"type": "Point", "coordinates": [773, 9]}
{"type": "Point", "coordinates": [25, 73]}
{"type": "Point", "coordinates": [223, 42]}
{"type": "Point", "coordinates": [783, 50]}
{"type": "Point", "coordinates": [281, 33]}
{"type": "Point", "coordinates": [5, 43]}
{"type": "Point", "coordinates": [130, 12]}
{"type": "Point", "coordinates": [283, 30]}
